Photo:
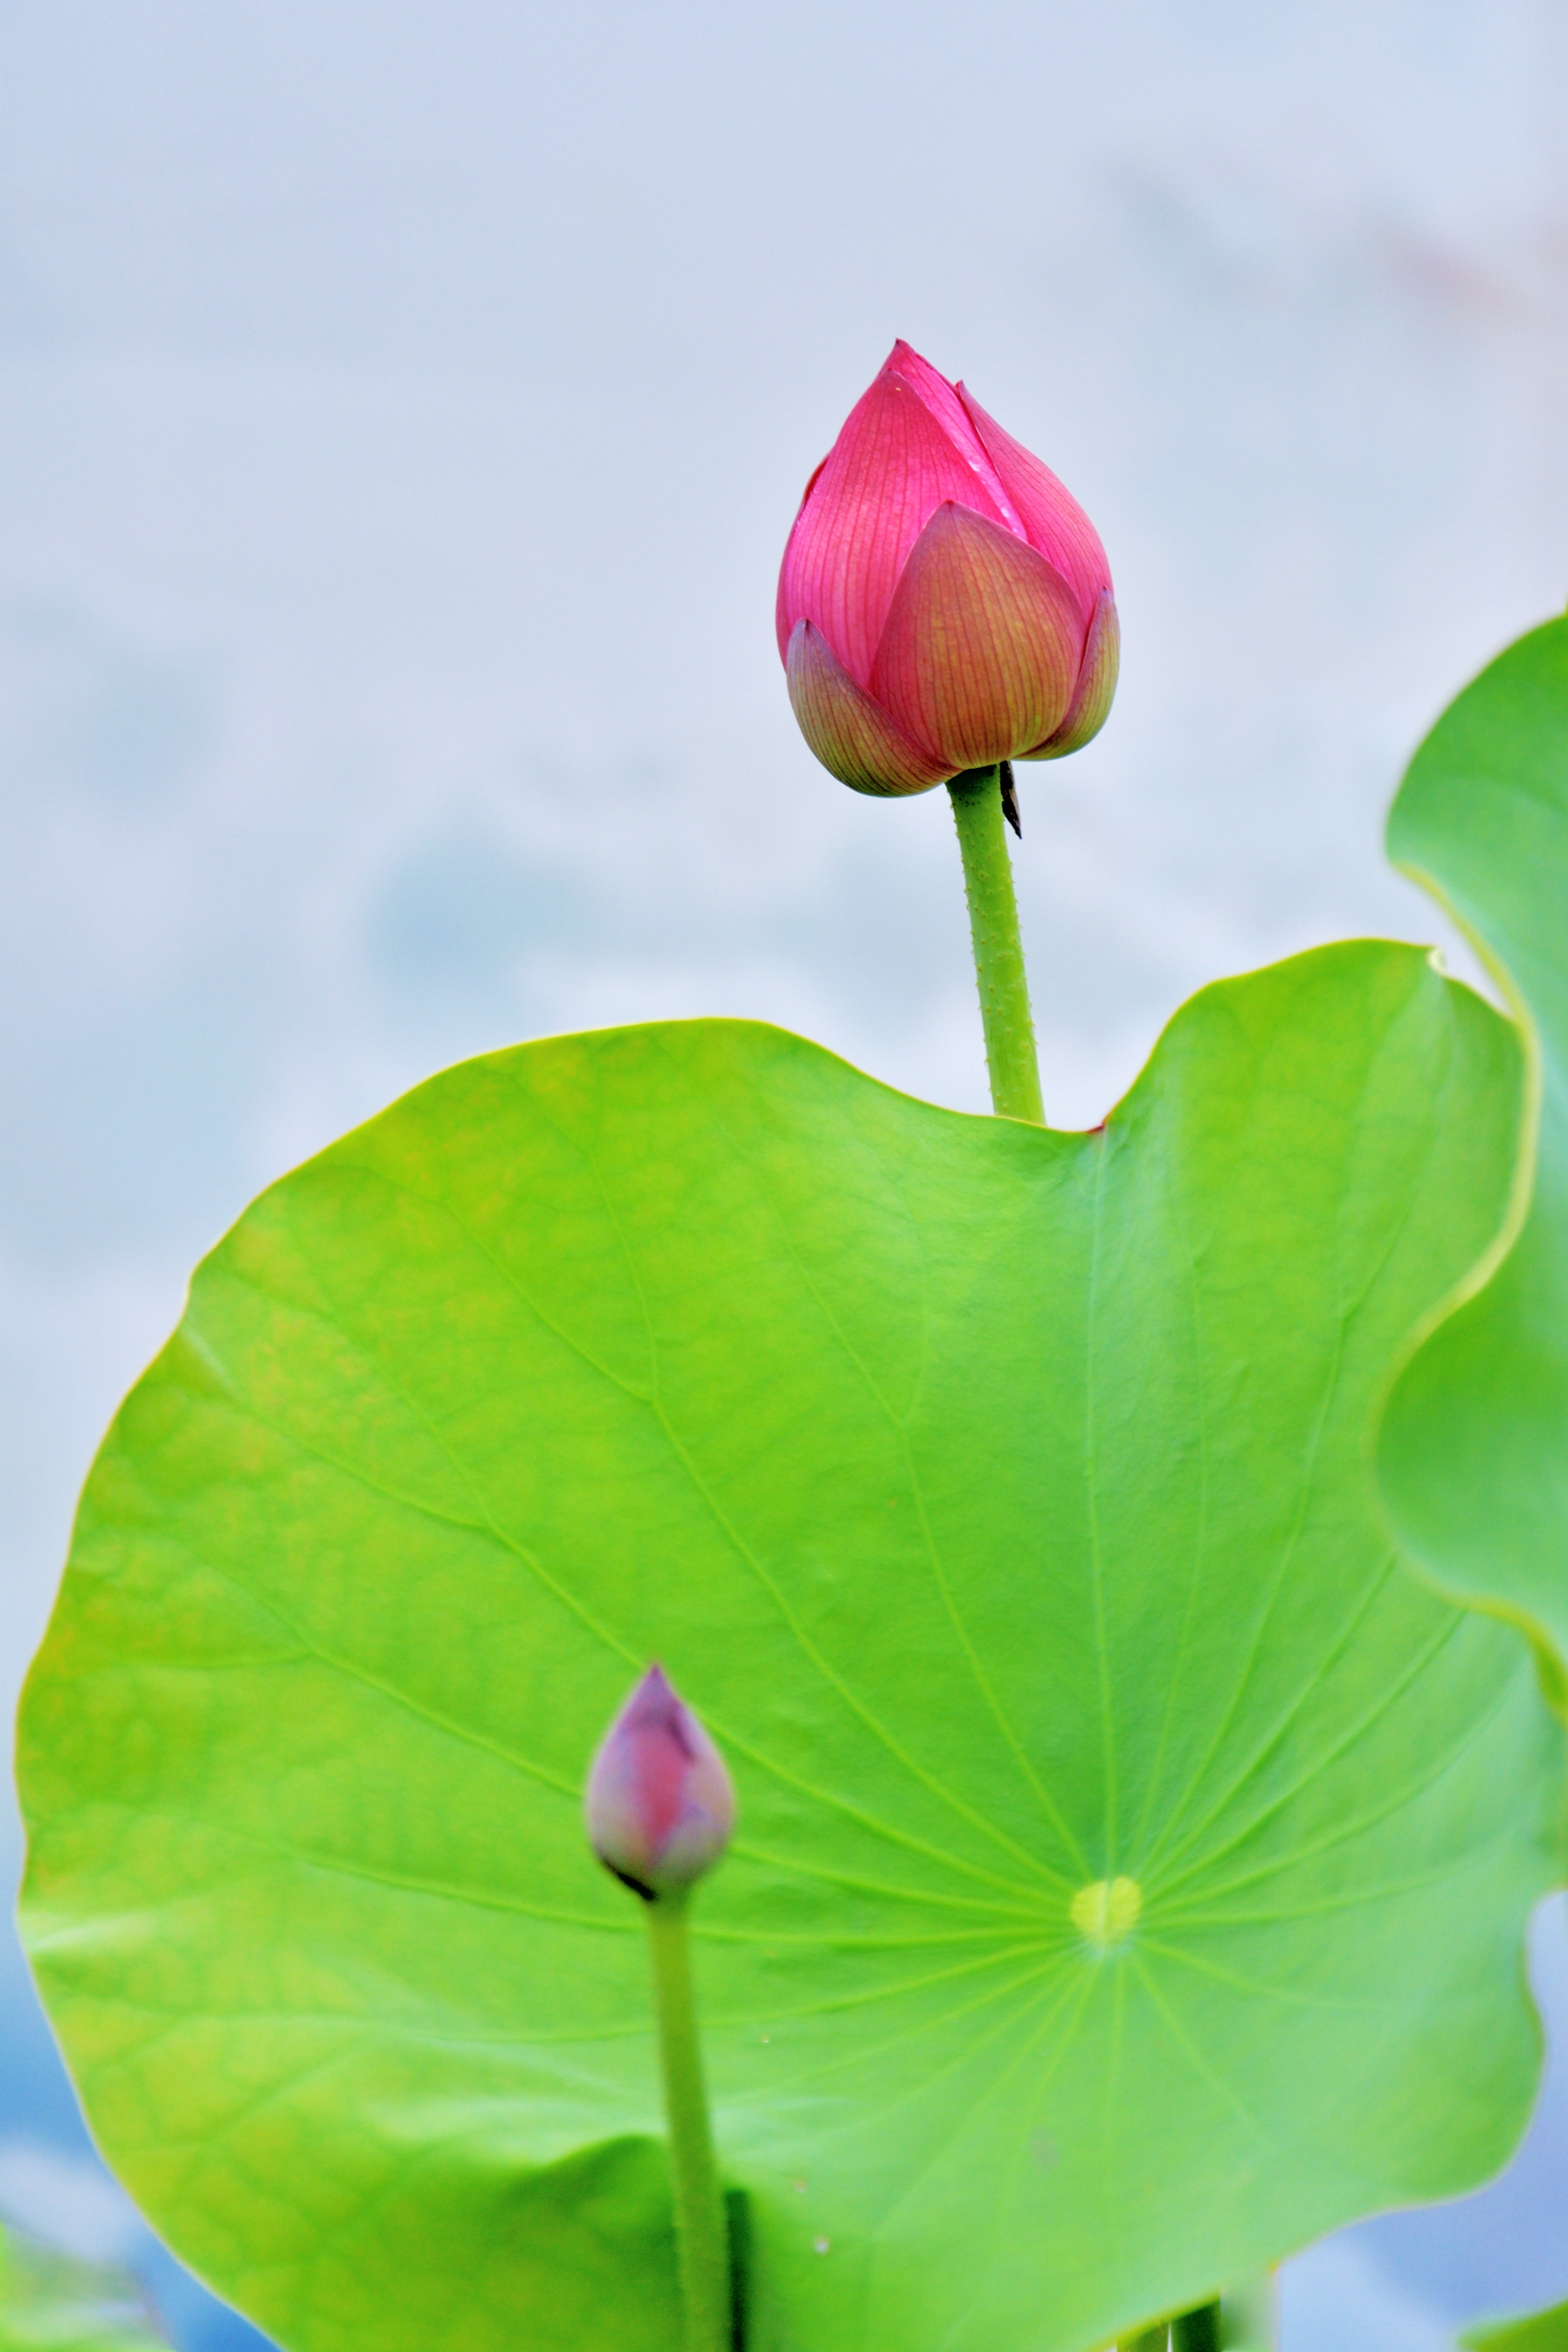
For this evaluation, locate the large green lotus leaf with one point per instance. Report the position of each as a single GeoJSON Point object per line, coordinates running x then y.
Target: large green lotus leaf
{"type": "Point", "coordinates": [54, 2303]}
{"type": "Point", "coordinates": [1474, 1451]}
{"type": "Point", "coordinates": [1001, 1500]}
{"type": "Point", "coordinates": [1543, 2331]}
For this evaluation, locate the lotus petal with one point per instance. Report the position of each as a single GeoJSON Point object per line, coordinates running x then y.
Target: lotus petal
{"type": "Point", "coordinates": [853, 739]}
{"type": "Point", "coordinates": [1054, 523]}
{"type": "Point", "coordinates": [1096, 686]}
{"type": "Point", "coordinates": [983, 644]}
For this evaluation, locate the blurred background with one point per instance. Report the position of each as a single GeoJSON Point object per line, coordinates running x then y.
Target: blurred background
{"type": "Point", "coordinates": [402, 407]}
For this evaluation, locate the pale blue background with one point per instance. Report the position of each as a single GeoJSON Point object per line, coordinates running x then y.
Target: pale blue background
{"type": "Point", "coordinates": [402, 410]}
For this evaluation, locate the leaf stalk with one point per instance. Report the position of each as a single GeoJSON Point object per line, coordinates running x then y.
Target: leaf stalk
{"type": "Point", "coordinates": [1196, 2331]}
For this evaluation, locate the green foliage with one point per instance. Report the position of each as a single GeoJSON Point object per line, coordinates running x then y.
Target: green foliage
{"type": "Point", "coordinates": [1122, 1894]}
{"type": "Point", "coordinates": [1544, 2331]}
{"type": "Point", "coordinates": [50, 2302]}
{"type": "Point", "coordinates": [1474, 1452]}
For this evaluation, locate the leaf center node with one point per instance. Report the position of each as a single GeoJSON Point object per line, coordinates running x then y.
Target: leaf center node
{"type": "Point", "coordinates": [1106, 1911]}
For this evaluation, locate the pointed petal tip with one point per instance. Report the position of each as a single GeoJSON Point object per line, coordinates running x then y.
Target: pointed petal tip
{"type": "Point", "coordinates": [901, 354]}
{"type": "Point", "coordinates": [652, 1694]}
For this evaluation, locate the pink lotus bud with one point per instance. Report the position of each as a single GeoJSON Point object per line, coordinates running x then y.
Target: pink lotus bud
{"type": "Point", "coordinates": [943, 603]}
{"type": "Point", "coordinates": [659, 1806]}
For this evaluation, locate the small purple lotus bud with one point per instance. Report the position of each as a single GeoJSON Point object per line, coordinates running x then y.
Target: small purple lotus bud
{"type": "Point", "coordinates": [659, 1805]}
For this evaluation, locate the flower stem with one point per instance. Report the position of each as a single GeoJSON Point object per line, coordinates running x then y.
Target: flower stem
{"type": "Point", "coordinates": [702, 2235]}
{"type": "Point", "coordinates": [1148, 2339]}
{"type": "Point", "coordinates": [998, 950]}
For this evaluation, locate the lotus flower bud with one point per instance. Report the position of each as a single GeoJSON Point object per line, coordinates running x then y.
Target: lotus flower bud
{"type": "Point", "coordinates": [659, 1806]}
{"type": "Point", "coordinates": [943, 603]}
